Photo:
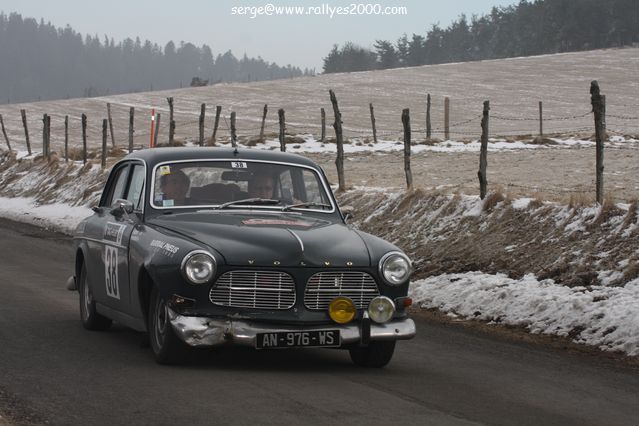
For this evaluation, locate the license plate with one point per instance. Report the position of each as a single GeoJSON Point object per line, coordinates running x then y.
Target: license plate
{"type": "Point", "coordinates": [296, 339]}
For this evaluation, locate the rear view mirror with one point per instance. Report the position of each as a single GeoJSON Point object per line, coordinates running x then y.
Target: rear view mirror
{"type": "Point", "coordinates": [347, 213]}
{"type": "Point", "coordinates": [121, 207]}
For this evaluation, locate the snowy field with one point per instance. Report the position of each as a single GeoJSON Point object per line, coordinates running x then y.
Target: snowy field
{"type": "Point", "coordinates": [514, 87]}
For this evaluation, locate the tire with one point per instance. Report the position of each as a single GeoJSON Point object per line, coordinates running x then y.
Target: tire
{"type": "Point", "coordinates": [167, 347]}
{"type": "Point", "coordinates": [91, 319]}
{"type": "Point", "coordinates": [375, 355]}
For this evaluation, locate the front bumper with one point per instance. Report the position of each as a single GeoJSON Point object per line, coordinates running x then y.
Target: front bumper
{"type": "Point", "coordinates": [209, 332]}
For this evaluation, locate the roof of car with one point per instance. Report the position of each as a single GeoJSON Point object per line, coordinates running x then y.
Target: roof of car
{"type": "Point", "coordinates": [154, 156]}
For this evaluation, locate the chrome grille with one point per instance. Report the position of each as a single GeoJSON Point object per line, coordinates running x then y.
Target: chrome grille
{"type": "Point", "coordinates": [254, 289]}
{"type": "Point", "coordinates": [323, 287]}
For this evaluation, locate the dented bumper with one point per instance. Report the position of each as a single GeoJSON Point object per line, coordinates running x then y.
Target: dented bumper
{"type": "Point", "coordinates": [210, 332]}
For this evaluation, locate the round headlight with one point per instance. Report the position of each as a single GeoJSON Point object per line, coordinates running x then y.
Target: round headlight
{"type": "Point", "coordinates": [395, 268]}
{"type": "Point", "coordinates": [198, 267]}
{"type": "Point", "coordinates": [381, 309]}
{"type": "Point", "coordinates": [342, 310]}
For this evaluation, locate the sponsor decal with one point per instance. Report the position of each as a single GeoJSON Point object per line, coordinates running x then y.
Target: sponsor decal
{"type": "Point", "coordinates": [166, 248]}
{"type": "Point", "coordinates": [113, 232]}
{"type": "Point", "coordinates": [283, 222]}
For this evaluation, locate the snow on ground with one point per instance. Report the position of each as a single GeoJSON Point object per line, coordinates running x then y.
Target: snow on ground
{"type": "Point", "coordinates": [308, 144]}
{"type": "Point", "coordinates": [58, 217]}
{"type": "Point", "coordinates": [606, 317]}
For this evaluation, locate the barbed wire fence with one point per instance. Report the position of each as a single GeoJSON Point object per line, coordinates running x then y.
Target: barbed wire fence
{"type": "Point", "coordinates": [64, 133]}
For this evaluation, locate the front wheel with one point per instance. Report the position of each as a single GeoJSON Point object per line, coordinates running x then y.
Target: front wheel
{"type": "Point", "coordinates": [91, 319]}
{"type": "Point", "coordinates": [166, 346]}
{"type": "Point", "coordinates": [376, 355]}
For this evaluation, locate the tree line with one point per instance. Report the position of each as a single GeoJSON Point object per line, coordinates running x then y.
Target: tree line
{"type": "Point", "coordinates": [39, 62]}
{"type": "Point", "coordinates": [524, 29]}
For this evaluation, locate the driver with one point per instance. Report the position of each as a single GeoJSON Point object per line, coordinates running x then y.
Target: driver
{"type": "Point", "coordinates": [175, 187]}
{"type": "Point", "coordinates": [261, 185]}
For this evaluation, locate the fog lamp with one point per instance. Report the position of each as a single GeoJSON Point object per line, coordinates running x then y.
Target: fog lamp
{"type": "Point", "coordinates": [342, 310]}
{"type": "Point", "coordinates": [381, 309]}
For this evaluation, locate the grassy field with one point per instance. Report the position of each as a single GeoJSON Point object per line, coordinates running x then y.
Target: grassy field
{"type": "Point", "coordinates": [514, 87]}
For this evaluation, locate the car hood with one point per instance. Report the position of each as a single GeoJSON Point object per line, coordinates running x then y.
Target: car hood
{"type": "Point", "coordinates": [272, 240]}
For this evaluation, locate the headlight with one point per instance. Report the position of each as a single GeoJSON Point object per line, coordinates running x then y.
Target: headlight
{"type": "Point", "coordinates": [395, 268]}
{"type": "Point", "coordinates": [198, 267]}
{"type": "Point", "coordinates": [381, 309]}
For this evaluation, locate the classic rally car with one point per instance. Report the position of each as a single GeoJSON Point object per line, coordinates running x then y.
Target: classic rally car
{"type": "Point", "coordinates": [202, 247]}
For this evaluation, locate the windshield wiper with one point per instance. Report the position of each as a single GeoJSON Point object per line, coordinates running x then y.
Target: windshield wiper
{"type": "Point", "coordinates": [300, 205]}
{"type": "Point", "coordinates": [259, 201]}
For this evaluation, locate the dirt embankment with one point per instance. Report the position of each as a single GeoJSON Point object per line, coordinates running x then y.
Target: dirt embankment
{"type": "Point", "coordinates": [574, 245]}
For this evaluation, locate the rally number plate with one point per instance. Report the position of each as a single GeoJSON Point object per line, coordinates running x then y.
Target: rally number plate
{"type": "Point", "coordinates": [296, 339]}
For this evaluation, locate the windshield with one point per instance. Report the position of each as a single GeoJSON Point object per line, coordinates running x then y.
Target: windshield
{"type": "Point", "coordinates": [232, 184]}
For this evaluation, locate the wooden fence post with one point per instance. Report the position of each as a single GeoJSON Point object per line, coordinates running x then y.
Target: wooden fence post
{"type": "Point", "coordinates": [66, 138]}
{"type": "Point", "coordinates": [339, 139]}
{"type": "Point", "coordinates": [407, 136]}
{"type": "Point", "coordinates": [541, 119]}
{"type": "Point", "coordinates": [201, 123]}
{"type": "Point", "coordinates": [131, 128]}
{"type": "Point", "coordinates": [599, 109]}
{"type": "Point", "coordinates": [218, 111]}
{"type": "Point", "coordinates": [171, 121]}
{"type": "Point", "coordinates": [428, 125]}
{"type": "Point", "coordinates": [84, 138]}
{"type": "Point", "coordinates": [263, 122]}
{"type": "Point", "coordinates": [46, 130]}
{"type": "Point", "coordinates": [26, 129]}
{"type": "Point", "coordinates": [233, 131]}
{"type": "Point", "coordinates": [105, 123]}
{"type": "Point", "coordinates": [323, 114]}
{"type": "Point", "coordinates": [157, 129]}
{"type": "Point", "coordinates": [4, 132]}
{"type": "Point", "coordinates": [110, 124]}
{"type": "Point", "coordinates": [483, 153]}
{"type": "Point", "coordinates": [447, 118]}
{"type": "Point", "coordinates": [373, 123]}
{"type": "Point", "coordinates": [280, 114]}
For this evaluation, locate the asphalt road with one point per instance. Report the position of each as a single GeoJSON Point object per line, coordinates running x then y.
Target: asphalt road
{"type": "Point", "coordinates": [53, 371]}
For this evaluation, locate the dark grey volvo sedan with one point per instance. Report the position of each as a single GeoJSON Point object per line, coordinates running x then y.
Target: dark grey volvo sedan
{"type": "Point", "coordinates": [203, 247]}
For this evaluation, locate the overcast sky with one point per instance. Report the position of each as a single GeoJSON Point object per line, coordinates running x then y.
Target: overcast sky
{"type": "Point", "coordinates": [297, 40]}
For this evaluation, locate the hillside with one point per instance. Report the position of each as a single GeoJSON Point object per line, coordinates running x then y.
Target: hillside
{"type": "Point", "coordinates": [514, 87]}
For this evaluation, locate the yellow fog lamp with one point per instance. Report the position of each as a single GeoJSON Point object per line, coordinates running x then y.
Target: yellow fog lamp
{"type": "Point", "coordinates": [381, 309]}
{"type": "Point", "coordinates": [342, 310]}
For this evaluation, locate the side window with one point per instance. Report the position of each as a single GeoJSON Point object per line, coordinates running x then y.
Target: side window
{"type": "Point", "coordinates": [136, 187]}
{"type": "Point", "coordinates": [118, 185]}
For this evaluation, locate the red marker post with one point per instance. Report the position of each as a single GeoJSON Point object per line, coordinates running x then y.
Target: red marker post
{"type": "Point", "coordinates": [152, 127]}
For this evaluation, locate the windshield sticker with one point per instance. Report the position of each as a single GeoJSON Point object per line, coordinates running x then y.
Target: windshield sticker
{"type": "Point", "coordinates": [238, 165]}
{"type": "Point", "coordinates": [166, 248]}
{"type": "Point", "coordinates": [165, 170]}
{"type": "Point", "coordinates": [167, 203]}
{"type": "Point", "coordinates": [113, 232]}
{"type": "Point", "coordinates": [277, 222]}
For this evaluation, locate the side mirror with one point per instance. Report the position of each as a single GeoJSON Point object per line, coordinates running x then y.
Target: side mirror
{"type": "Point", "coordinates": [347, 213]}
{"type": "Point", "coordinates": [121, 207]}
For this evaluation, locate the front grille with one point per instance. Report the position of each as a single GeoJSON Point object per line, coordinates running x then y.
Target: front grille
{"type": "Point", "coordinates": [254, 289]}
{"type": "Point", "coordinates": [323, 287]}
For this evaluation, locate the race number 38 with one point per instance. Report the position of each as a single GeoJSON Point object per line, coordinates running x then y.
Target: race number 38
{"type": "Point", "coordinates": [111, 272]}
